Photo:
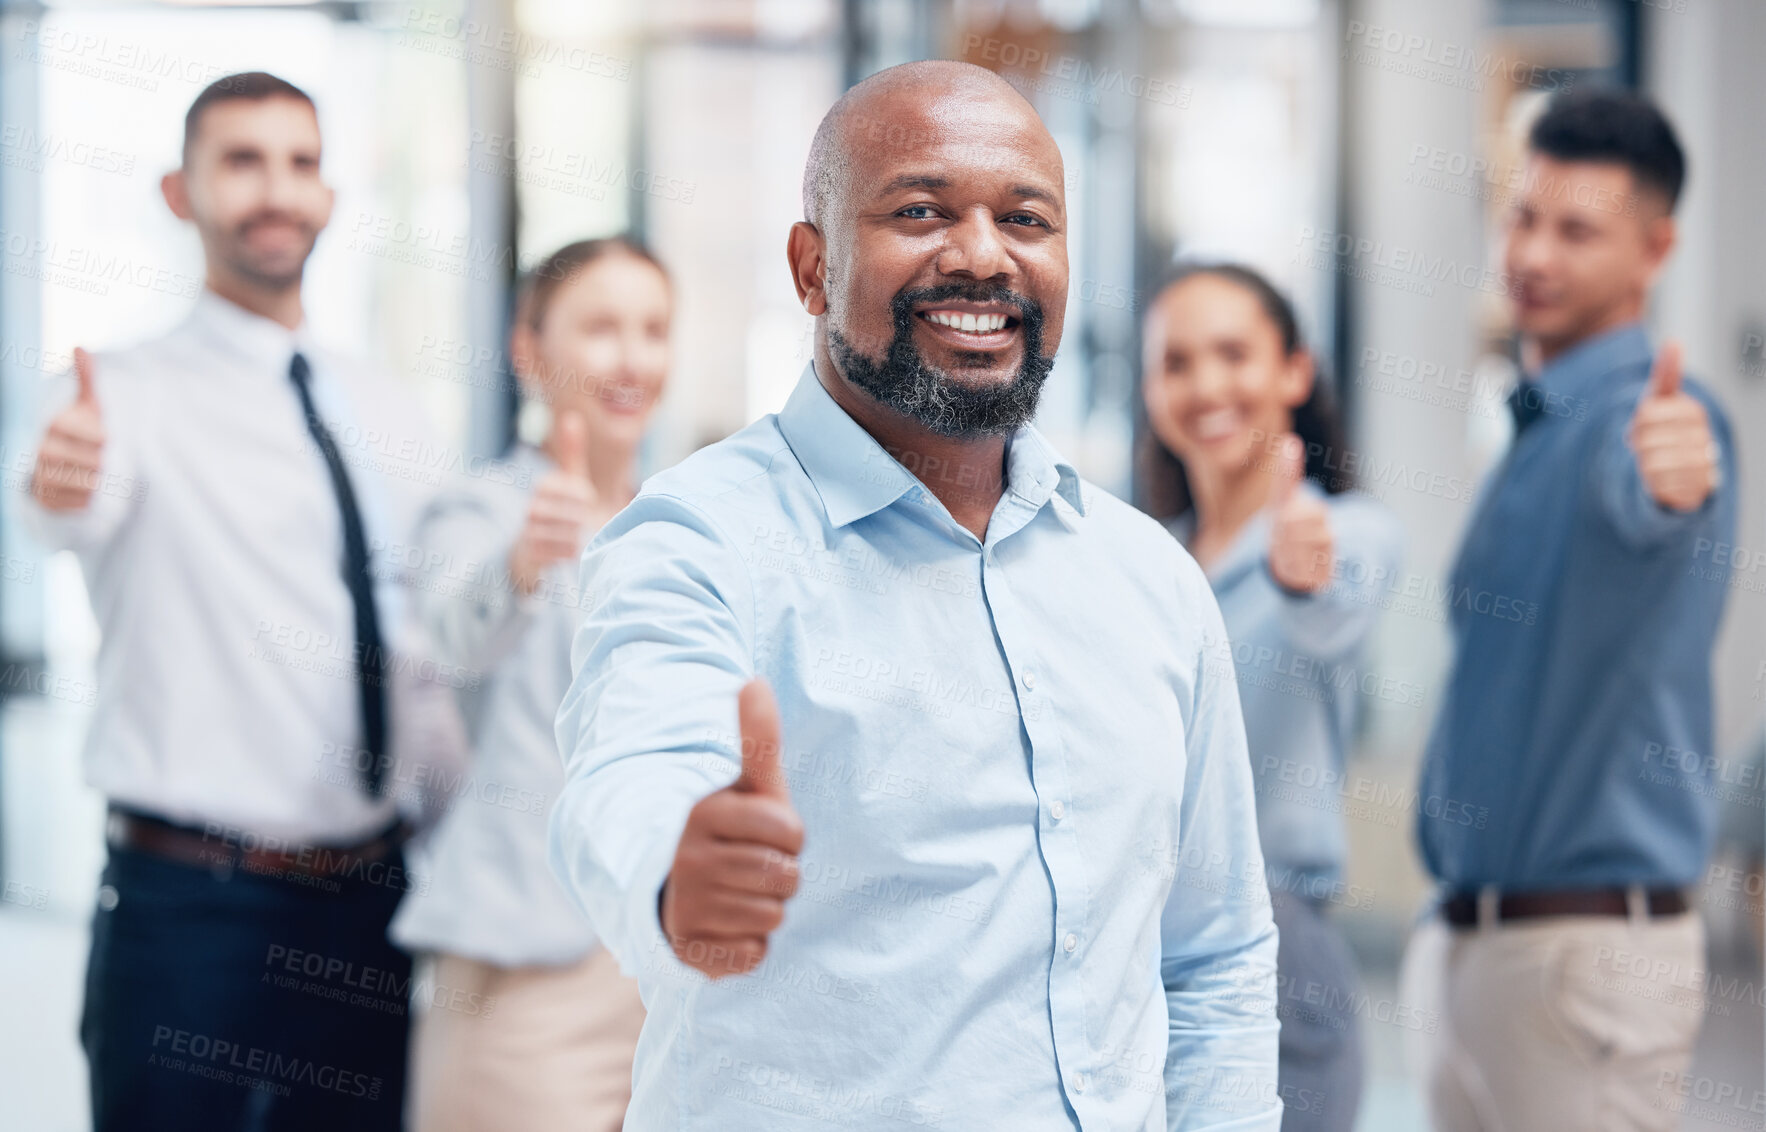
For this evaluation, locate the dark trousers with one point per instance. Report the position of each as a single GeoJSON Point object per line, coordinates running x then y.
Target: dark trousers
{"type": "Point", "coordinates": [1317, 993]}
{"type": "Point", "coordinates": [222, 1000]}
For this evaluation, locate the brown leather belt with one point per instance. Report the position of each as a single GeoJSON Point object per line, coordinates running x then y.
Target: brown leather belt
{"type": "Point", "coordinates": [225, 848]}
{"type": "Point", "coordinates": [1461, 909]}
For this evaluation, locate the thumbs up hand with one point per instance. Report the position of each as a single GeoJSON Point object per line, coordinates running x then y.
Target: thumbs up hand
{"type": "Point", "coordinates": [1301, 551]}
{"type": "Point", "coordinates": [1671, 435]}
{"type": "Point", "coordinates": [736, 864]}
{"type": "Point", "coordinates": [564, 507]}
{"type": "Point", "coordinates": [71, 457]}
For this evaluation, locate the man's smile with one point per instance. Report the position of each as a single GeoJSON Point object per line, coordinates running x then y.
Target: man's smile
{"type": "Point", "coordinates": [971, 325]}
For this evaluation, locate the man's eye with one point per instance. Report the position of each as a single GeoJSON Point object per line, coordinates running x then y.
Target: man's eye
{"type": "Point", "coordinates": [1022, 218]}
{"type": "Point", "coordinates": [916, 212]}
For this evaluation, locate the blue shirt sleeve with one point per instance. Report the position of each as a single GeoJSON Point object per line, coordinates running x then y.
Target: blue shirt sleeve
{"type": "Point", "coordinates": [1218, 936]}
{"type": "Point", "coordinates": [648, 727]}
{"type": "Point", "coordinates": [1331, 623]}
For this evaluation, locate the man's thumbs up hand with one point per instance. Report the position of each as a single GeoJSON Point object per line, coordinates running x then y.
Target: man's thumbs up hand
{"type": "Point", "coordinates": [564, 507]}
{"type": "Point", "coordinates": [736, 864]}
{"type": "Point", "coordinates": [1301, 551]}
{"type": "Point", "coordinates": [71, 457]}
{"type": "Point", "coordinates": [1671, 436]}
{"type": "Point", "coordinates": [757, 714]}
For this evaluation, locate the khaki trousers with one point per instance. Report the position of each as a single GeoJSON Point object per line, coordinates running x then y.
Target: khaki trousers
{"type": "Point", "coordinates": [1560, 1024]}
{"type": "Point", "coordinates": [526, 1048]}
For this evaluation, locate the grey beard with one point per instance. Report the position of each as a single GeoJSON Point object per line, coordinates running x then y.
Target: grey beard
{"type": "Point", "coordinates": [905, 381]}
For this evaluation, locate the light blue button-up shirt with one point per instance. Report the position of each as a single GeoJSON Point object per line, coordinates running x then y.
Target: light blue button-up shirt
{"type": "Point", "coordinates": [1302, 681]}
{"type": "Point", "coordinates": [488, 893]}
{"type": "Point", "coordinates": [1031, 894]}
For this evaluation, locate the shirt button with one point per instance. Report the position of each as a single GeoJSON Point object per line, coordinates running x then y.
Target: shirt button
{"type": "Point", "coordinates": [1071, 942]}
{"type": "Point", "coordinates": [1079, 1082]}
{"type": "Point", "coordinates": [1056, 810]}
{"type": "Point", "coordinates": [1030, 678]}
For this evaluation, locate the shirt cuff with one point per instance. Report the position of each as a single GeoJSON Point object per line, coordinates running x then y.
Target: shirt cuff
{"type": "Point", "coordinates": [650, 958]}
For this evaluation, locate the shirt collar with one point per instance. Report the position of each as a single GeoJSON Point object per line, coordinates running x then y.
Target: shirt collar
{"type": "Point", "coordinates": [261, 341]}
{"type": "Point", "coordinates": [1573, 373]}
{"type": "Point", "coordinates": [855, 476]}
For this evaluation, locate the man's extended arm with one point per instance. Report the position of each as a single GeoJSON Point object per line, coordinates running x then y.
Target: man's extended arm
{"type": "Point", "coordinates": [648, 727]}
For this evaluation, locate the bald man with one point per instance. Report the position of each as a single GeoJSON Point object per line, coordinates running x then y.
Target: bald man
{"type": "Point", "coordinates": [905, 770]}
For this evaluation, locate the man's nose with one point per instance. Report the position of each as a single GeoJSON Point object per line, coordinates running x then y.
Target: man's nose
{"type": "Point", "coordinates": [974, 248]}
{"type": "Point", "coordinates": [1529, 250]}
{"type": "Point", "coordinates": [282, 190]}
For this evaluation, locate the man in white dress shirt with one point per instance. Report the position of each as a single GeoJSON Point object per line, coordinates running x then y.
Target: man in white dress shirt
{"type": "Point", "coordinates": [217, 489]}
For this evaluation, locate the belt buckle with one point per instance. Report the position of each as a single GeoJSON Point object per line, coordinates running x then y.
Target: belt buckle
{"type": "Point", "coordinates": [1489, 908]}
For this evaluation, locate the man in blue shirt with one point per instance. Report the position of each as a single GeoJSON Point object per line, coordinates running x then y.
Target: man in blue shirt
{"type": "Point", "coordinates": [990, 859]}
{"type": "Point", "coordinates": [1565, 801]}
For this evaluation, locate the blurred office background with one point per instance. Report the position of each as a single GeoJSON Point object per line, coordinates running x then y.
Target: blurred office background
{"type": "Point", "coordinates": [1320, 140]}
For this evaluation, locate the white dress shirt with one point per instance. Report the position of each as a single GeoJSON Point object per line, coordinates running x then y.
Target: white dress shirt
{"type": "Point", "coordinates": [488, 892]}
{"type": "Point", "coordinates": [213, 551]}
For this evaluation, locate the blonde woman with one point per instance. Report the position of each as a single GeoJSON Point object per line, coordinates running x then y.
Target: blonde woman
{"type": "Point", "coordinates": [1238, 461]}
{"type": "Point", "coordinates": [529, 1024]}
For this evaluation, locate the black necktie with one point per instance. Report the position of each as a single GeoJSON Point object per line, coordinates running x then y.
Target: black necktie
{"type": "Point", "coordinates": [1527, 403]}
{"type": "Point", "coordinates": [370, 656]}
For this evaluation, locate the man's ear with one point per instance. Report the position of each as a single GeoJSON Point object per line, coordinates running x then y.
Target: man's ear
{"type": "Point", "coordinates": [803, 253]}
{"type": "Point", "coordinates": [1659, 236]}
{"type": "Point", "coordinates": [330, 205]}
{"type": "Point", "coordinates": [176, 190]}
